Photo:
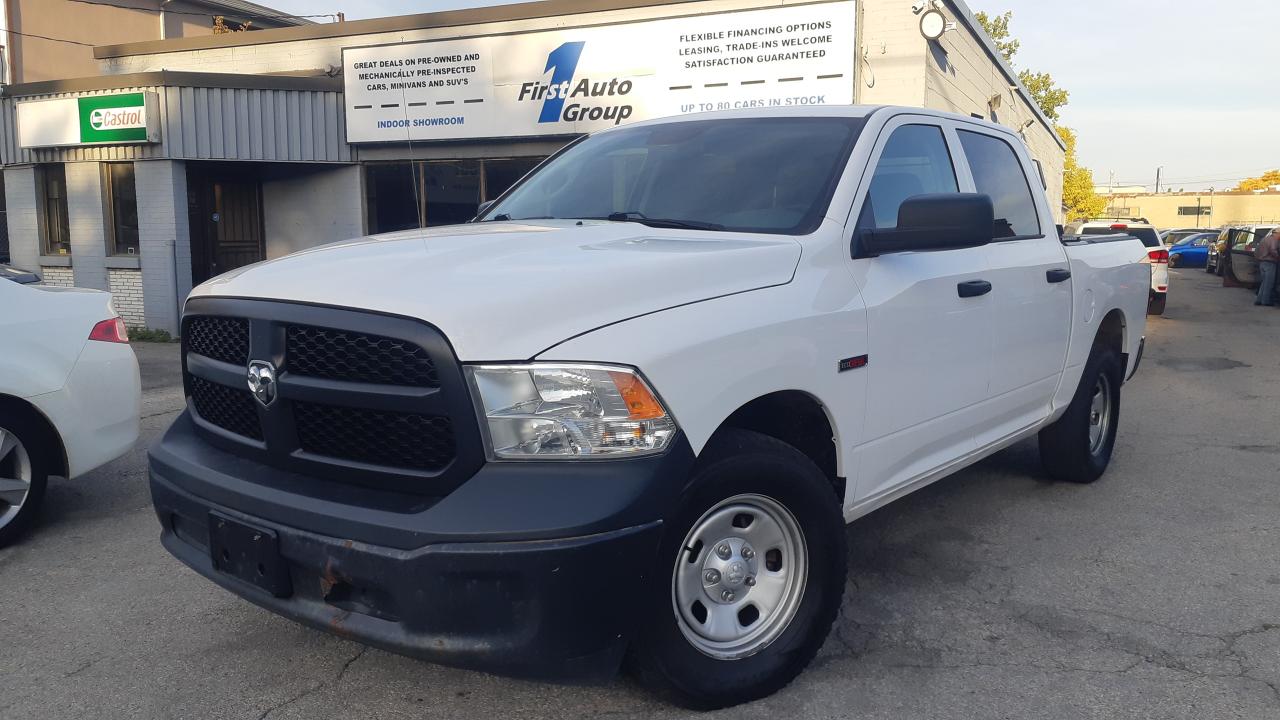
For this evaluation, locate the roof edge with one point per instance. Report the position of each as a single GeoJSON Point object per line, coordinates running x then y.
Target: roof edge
{"type": "Point", "coordinates": [398, 23]}
{"type": "Point", "coordinates": [169, 78]}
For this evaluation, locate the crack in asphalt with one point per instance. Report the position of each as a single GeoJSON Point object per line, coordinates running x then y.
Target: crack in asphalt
{"type": "Point", "coordinates": [316, 687]}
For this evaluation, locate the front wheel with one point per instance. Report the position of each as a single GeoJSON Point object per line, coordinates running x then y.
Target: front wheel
{"type": "Point", "coordinates": [749, 576]}
{"type": "Point", "coordinates": [1175, 261]}
{"type": "Point", "coordinates": [1078, 446]}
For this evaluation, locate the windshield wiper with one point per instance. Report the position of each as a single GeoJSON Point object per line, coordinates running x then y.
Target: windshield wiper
{"type": "Point", "coordinates": [507, 216]}
{"type": "Point", "coordinates": [639, 217]}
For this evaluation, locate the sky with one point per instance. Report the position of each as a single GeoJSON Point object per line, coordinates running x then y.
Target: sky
{"type": "Point", "coordinates": [1190, 86]}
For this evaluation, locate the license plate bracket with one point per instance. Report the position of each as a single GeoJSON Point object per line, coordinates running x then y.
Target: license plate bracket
{"type": "Point", "coordinates": [250, 554]}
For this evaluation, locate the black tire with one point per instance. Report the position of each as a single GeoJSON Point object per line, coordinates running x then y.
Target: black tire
{"type": "Point", "coordinates": [1065, 446]}
{"type": "Point", "coordinates": [1174, 261]}
{"type": "Point", "coordinates": [738, 462]}
{"type": "Point", "coordinates": [38, 453]}
{"type": "Point", "coordinates": [1155, 305]}
{"type": "Point", "coordinates": [1207, 267]}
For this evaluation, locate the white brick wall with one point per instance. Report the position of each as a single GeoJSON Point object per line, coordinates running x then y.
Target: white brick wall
{"type": "Point", "coordinates": [61, 276]}
{"type": "Point", "coordinates": [126, 295]}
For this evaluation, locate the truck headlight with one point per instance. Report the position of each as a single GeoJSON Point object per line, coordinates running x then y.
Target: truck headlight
{"type": "Point", "coordinates": [538, 411]}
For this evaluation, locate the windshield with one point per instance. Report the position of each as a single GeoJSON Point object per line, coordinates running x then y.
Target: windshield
{"type": "Point", "coordinates": [769, 175]}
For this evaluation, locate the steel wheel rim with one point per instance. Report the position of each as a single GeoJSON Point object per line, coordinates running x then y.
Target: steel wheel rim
{"type": "Point", "coordinates": [15, 476]}
{"type": "Point", "coordinates": [1099, 414]}
{"type": "Point", "coordinates": [748, 579]}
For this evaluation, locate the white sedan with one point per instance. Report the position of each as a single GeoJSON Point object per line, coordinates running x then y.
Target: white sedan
{"type": "Point", "coordinates": [70, 395]}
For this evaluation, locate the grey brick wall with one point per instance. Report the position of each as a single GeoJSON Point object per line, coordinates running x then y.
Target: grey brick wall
{"type": "Point", "coordinates": [86, 222]}
{"type": "Point", "coordinates": [24, 229]}
{"type": "Point", "coordinates": [164, 239]}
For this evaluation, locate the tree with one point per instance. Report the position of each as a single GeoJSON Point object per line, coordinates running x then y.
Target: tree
{"type": "Point", "coordinates": [1048, 96]}
{"type": "Point", "coordinates": [1043, 90]}
{"type": "Point", "coordinates": [998, 28]}
{"type": "Point", "coordinates": [1262, 182]}
{"type": "Point", "coordinates": [1078, 196]}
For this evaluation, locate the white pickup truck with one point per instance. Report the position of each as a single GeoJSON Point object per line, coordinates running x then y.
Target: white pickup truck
{"type": "Point", "coordinates": [628, 411]}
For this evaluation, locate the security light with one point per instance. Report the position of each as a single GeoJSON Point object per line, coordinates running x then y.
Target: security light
{"type": "Point", "coordinates": [932, 24]}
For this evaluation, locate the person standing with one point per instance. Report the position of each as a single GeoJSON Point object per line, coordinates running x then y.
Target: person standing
{"type": "Point", "coordinates": [1268, 255]}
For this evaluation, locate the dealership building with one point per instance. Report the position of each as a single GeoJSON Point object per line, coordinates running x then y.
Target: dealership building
{"type": "Point", "coordinates": [188, 157]}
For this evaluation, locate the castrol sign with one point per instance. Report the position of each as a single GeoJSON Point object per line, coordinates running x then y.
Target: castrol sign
{"type": "Point", "coordinates": [117, 118]}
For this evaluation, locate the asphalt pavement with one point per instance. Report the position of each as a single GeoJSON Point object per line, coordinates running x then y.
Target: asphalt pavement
{"type": "Point", "coordinates": [1154, 593]}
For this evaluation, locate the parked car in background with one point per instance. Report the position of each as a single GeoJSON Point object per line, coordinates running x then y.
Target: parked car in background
{"type": "Point", "coordinates": [18, 275]}
{"type": "Point", "coordinates": [1213, 259]}
{"type": "Point", "coordinates": [1176, 235]}
{"type": "Point", "coordinates": [1235, 252]}
{"type": "Point", "coordinates": [1192, 250]}
{"type": "Point", "coordinates": [1157, 254]}
{"type": "Point", "coordinates": [70, 395]}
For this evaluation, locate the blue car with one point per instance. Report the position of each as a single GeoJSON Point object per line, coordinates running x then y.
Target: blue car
{"type": "Point", "coordinates": [1191, 251]}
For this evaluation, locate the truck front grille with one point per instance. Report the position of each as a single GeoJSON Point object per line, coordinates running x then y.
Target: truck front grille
{"type": "Point", "coordinates": [357, 356]}
{"type": "Point", "coordinates": [230, 409]}
{"type": "Point", "coordinates": [360, 397]}
{"type": "Point", "coordinates": [415, 441]}
{"type": "Point", "coordinates": [218, 338]}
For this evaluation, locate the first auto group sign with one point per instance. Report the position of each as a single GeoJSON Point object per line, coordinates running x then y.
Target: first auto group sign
{"type": "Point", "coordinates": [578, 80]}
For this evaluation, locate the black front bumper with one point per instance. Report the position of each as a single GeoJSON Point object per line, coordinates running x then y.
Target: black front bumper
{"type": "Point", "coordinates": [529, 569]}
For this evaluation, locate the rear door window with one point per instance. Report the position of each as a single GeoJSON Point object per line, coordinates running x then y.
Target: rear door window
{"type": "Point", "coordinates": [997, 172]}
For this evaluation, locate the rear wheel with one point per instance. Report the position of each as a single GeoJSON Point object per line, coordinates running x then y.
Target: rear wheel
{"type": "Point", "coordinates": [749, 576]}
{"type": "Point", "coordinates": [1078, 446]}
{"type": "Point", "coordinates": [1155, 306]}
{"type": "Point", "coordinates": [23, 475]}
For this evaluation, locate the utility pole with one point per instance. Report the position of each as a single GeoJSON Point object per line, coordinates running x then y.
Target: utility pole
{"type": "Point", "coordinates": [1158, 179]}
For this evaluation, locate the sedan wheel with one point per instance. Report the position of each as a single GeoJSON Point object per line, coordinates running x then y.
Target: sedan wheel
{"type": "Point", "coordinates": [23, 474]}
{"type": "Point", "coordinates": [16, 475]}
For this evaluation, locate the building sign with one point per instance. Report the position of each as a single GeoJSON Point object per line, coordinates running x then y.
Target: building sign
{"type": "Point", "coordinates": [560, 82]}
{"type": "Point", "coordinates": [89, 120]}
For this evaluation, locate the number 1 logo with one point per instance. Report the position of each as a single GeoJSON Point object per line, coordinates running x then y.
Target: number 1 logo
{"type": "Point", "coordinates": [565, 61]}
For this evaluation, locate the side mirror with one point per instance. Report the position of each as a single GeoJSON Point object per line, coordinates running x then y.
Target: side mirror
{"type": "Point", "coordinates": [482, 209]}
{"type": "Point", "coordinates": [945, 221]}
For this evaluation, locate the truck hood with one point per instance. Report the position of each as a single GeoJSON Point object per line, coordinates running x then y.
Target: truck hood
{"type": "Point", "coordinates": [509, 290]}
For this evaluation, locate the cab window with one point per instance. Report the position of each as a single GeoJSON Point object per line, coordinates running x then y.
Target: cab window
{"type": "Point", "coordinates": [997, 173]}
{"type": "Point", "coordinates": [915, 161]}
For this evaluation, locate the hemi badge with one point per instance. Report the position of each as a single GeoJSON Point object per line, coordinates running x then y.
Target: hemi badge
{"type": "Point", "coordinates": [853, 363]}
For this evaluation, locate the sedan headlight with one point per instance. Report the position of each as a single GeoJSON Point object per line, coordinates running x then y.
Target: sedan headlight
{"type": "Point", "coordinates": [540, 411]}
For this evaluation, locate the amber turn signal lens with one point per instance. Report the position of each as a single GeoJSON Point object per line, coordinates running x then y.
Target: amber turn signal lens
{"type": "Point", "coordinates": [640, 402]}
